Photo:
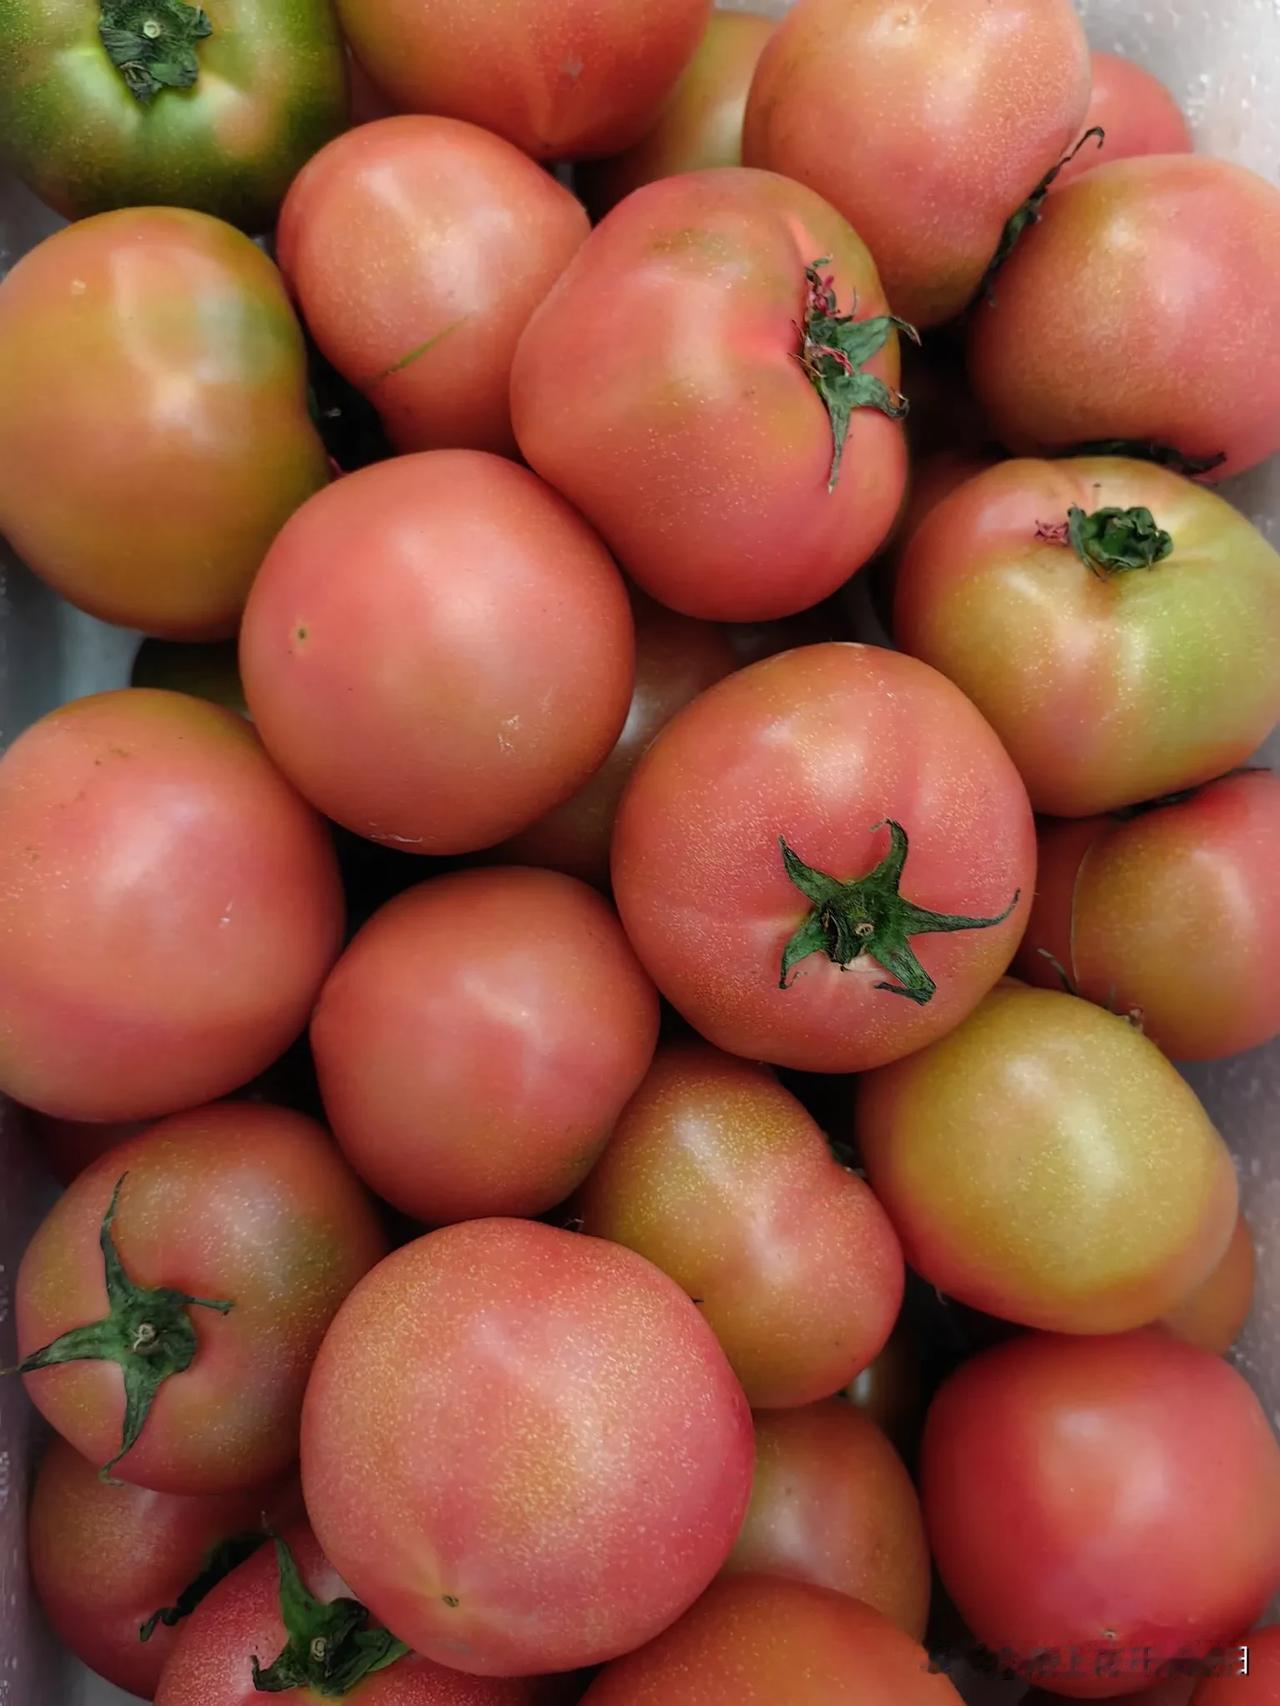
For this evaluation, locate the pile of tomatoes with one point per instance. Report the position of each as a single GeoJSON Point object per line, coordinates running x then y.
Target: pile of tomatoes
{"type": "Point", "coordinates": [611, 1127]}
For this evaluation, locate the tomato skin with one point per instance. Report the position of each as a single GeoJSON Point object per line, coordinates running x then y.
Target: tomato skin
{"type": "Point", "coordinates": [676, 659]}
{"type": "Point", "coordinates": [1168, 913]}
{"type": "Point", "coordinates": [1077, 343]}
{"type": "Point", "coordinates": [831, 1503]}
{"type": "Point", "coordinates": [562, 79]}
{"type": "Point", "coordinates": [87, 415]}
{"type": "Point", "coordinates": [446, 238]}
{"type": "Point", "coordinates": [1045, 1163]}
{"type": "Point", "coordinates": [701, 123]}
{"type": "Point", "coordinates": [270, 89]}
{"type": "Point", "coordinates": [569, 1406]}
{"type": "Point", "coordinates": [845, 100]}
{"type": "Point", "coordinates": [1086, 1495]}
{"type": "Point", "coordinates": [479, 1038]}
{"type": "Point", "coordinates": [105, 1556]}
{"type": "Point", "coordinates": [235, 1201]}
{"type": "Point", "coordinates": [819, 745]}
{"type": "Point", "coordinates": [759, 1640]}
{"type": "Point", "coordinates": [1136, 111]}
{"type": "Point", "coordinates": [1105, 688]}
{"type": "Point", "coordinates": [1261, 1687]}
{"type": "Point", "coordinates": [148, 830]}
{"type": "Point", "coordinates": [241, 1620]}
{"type": "Point", "coordinates": [719, 1176]}
{"type": "Point", "coordinates": [1213, 1316]}
{"type": "Point", "coordinates": [479, 708]}
{"type": "Point", "coordinates": [698, 445]}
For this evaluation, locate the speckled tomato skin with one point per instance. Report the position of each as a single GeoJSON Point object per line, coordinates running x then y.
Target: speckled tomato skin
{"type": "Point", "coordinates": [1104, 690]}
{"type": "Point", "coordinates": [105, 1555]}
{"type": "Point", "coordinates": [523, 1448]}
{"type": "Point", "coordinates": [1092, 1494]}
{"type": "Point", "coordinates": [719, 1176]}
{"type": "Point", "coordinates": [236, 1201]}
{"type": "Point", "coordinates": [241, 1619]}
{"type": "Point", "coordinates": [1044, 1163]}
{"type": "Point", "coordinates": [1262, 1685]}
{"type": "Point", "coordinates": [1171, 913]}
{"type": "Point", "coordinates": [270, 89]}
{"type": "Point", "coordinates": [562, 79]}
{"type": "Point", "coordinates": [1077, 343]}
{"type": "Point", "coordinates": [760, 1640]}
{"type": "Point", "coordinates": [819, 745]}
{"type": "Point", "coordinates": [697, 444]}
{"type": "Point", "coordinates": [1136, 111]}
{"type": "Point", "coordinates": [88, 412]}
{"type": "Point", "coordinates": [478, 705]}
{"type": "Point", "coordinates": [417, 248]}
{"type": "Point", "coordinates": [479, 1038]}
{"type": "Point", "coordinates": [700, 124]}
{"type": "Point", "coordinates": [832, 1503]}
{"type": "Point", "coordinates": [849, 99]}
{"type": "Point", "coordinates": [168, 907]}
{"type": "Point", "coordinates": [1213, 1316]}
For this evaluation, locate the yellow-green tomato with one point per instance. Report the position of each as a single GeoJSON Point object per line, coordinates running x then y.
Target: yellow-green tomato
{"type": "Point", "coordinates": [1045, 1163]}
{"type": "Point", "coordinates": [154, 432]}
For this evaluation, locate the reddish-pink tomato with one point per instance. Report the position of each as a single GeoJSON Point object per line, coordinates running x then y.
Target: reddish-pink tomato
{"type": "Point", "coordinates": [1076, 344]}
{"type": "Point", "coordinates": [171, 1301]}
{"type": "Point", "coordinates": [1173, 913]}
{"type": "Point", "coordinates": [826, 860]}
{"type": "Point", "coordinates": [422, 706]}
{"type": "Point", "coordinates": [524, 1448]}
{"type": "Point", "coordinates": [1249, 1674]}
{"type": "Point", "coordinates": [417, 248]}
{"type": "Point", "coordinates": [717, 1174]}
{"type": "Point", "coordinates": [478, 1039]}
{"type": "Point", "coordinates": [559, 78]}
{"type": "Point", "coordinates": [1214, 1315]}
{"type": "Point", "coordinates": [847, 100]}
{"type": "Point", "coordinates": [168, 907]}
{"type": "Point", "coordinates": [1101, 1507]}
{"type": "Point", "coordinates": [739, 449]}
{"type": "Point", "coordinates": [1136, 112]}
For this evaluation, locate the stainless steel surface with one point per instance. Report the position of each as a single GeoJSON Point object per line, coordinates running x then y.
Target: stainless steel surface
{"type": "Point", "coordinates": [1222, 59]}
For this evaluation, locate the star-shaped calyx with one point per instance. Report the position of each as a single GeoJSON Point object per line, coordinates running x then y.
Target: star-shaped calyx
{"type": "Point", "coordinates": [868, 915]}
{"type": "Point", "coordinates": [328, 1648]}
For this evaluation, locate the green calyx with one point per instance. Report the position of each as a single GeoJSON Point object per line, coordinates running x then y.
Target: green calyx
{"type": "Point", "coordinates": [226, 1556]}
{"type": "Point", "coordinates": [1031, 209]}
{"type": "Point", "coordinates": [152, 43]}
{"type": "Point", "coordinates": [1112, 541]}
{"type": "Point", "coordinates": [329, 1649]}
{"type": "Point", "coordinates": [147, 1330]}
{"type": "Point", "coordinates": [834, 350]}
{"type": "Point", "coordinates": [868, 915]}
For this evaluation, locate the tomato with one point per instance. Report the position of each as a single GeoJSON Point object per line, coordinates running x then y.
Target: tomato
{"type": "Point", "coordinates": [1077, 344]}
{"type": "Point", "coordinates": [214, 1246]}
{"type": "Point", "coordinates": [1116, 623]}
{"type": "Point", "coordinates": [560, 78]}
{"type": "Point", "coordinates": [1046, 1164]}
{"type": "Point", "coordinates": [424, 708]}
{"type": "Point", "coordinates": [719, 1176]}
{"type": "Point", "coordinates": [1214, 1315]}
{"type": "Point", "coordinates": [1166, 913]}
{"type": "Point", "coordinates": [147, 831]}
{"type": "Point", "coordinates": [676, 658]}
{"type": "Point", "coordinates": [701, 123]}
{"type": "Point", "coordinates": [740, 449]}
{"type": "Point", "coordinates": [846, 100]}
{"type": "Point", "coordinates": [111, 1562]}
{"type": "Point", "coordinates": [208, 672]}
{"type": "Point", "coordinates": [831, 1503]}
{"type": "Point", "coordinates": [478, 1039]}
{"type": "Point", "coordinates": [760, 1640]}
{"type": "Point", "coordinates": [286, 1616]}
{"type": "Point", "coordinates": [523, 1448]}
{"type": "Point", "coordinates": [1259, 1687]}
{"type": "Point", "coordinates": [1101, 1507]}
{"type": "Point", "coordinates": [1135, 111]}
{"type": "Point", "coordinates": [762, 843]}
{"type": "Point", "coordinates": [206, 415]}
{"type": "Point", "coordinates": [210, 107]}
{"type": "Point", "coordinates": [417, 248]}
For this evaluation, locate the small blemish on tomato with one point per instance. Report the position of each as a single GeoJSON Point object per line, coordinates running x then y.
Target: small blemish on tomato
{"type": "Point", "coordinates": [300, 632]}
{"type": "Point", "coordinates": [450, 1599]}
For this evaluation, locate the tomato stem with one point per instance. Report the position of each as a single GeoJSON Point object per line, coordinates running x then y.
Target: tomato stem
{"type": "Point", "coordinates": [220, 1562]}
{"type": "Point", "coordinates": [328, 1649]}
{"type": "Point", "coordinates": [868, 915]}
{"type": "Point", "coordinates": [1029, 212]}
{"type": "Point", "coordinates": [151, 43]}
{"type": "Point", "coordinates": [1147, 450]}
{"type": "Point", "coordinates": [1111, 541]}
